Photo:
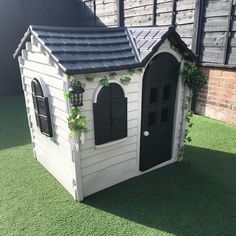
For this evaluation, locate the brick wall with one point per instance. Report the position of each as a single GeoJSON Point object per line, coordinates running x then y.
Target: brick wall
{"type": "Point", "coordinates": [218, 98]}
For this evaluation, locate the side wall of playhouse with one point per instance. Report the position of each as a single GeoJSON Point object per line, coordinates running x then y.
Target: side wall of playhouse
{"type": "Point", "coordinates": [53, 153]}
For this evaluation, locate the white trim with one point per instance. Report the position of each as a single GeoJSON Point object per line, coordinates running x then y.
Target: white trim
{"type": "Point", "coordinates": [165, 48]}
{"type": "Point", "coordinates": [75, 154]}
{"type": "Point", "coordinates": [110, 143]}
{"type": "Point", "coordinates": [97, 90]}
{"type": "Point", "coordinates": [95, 97]}
{"type": "Point", "coordinates": [157, 166]}
{"type": "Point", "coordinates": [43, 85]}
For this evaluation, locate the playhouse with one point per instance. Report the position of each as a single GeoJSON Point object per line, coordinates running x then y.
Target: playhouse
{"type": "Point", "coordinates": [129, 92]}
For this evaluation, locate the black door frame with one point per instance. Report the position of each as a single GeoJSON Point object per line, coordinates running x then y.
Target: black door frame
{"type": "Point", "coordinates": [177, 116]}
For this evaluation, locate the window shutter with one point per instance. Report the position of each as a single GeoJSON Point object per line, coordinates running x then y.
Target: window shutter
{"type": "Point", "coordinates": [110, 114]}
{"type": "Point", "coordinates": [102, 122]}
{"type": "Point", "coordinates": [41, 109]}
{"type": "Point", "coordinates": [119, 119]}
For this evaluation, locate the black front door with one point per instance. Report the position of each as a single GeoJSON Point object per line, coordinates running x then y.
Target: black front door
{"type": "Point", "coordinates": [158, 104]}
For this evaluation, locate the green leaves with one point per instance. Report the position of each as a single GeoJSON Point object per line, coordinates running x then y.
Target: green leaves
{"type": "Point", "coordinates": [66, 95]}
{"type": "Point", "coordinates": [193, 77]}
{"type": "Point", "coordinates": [131, 72]}
{"type": "Point", "coordinates": [189, 124]}
{"type": "Point", "coordinates": [125, 79]}
{"type": "Point", "coordinates": [76, 122]}
{"type": "Point", "coordinates": [104, 81]}
{"type": "Point", "coordinates": [66, 76]}
{"type": "Point", "coordinates": [90, 77]}
{"type": "Point", "coordinates": [112, 75]}
{"type": "Point", "coordinates": [140, 70]}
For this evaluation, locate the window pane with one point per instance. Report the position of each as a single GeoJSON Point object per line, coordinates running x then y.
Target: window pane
{"type": "Point", "coordinates": [153, 96]}
{"type": "Point", "coordinates": [166, 92]}
{"type": "Point", "coordinates": [151, 119]}
{"type": "Point", "coordinates": [42, 109]}
{"type": "Point", "coordinates": [45, 126]}
{"type": "Point", "coordinates": [164, 114]}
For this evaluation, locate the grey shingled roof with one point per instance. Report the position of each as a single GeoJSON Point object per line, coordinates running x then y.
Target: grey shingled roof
{"type": "Point", "coordinates": [85, 50]}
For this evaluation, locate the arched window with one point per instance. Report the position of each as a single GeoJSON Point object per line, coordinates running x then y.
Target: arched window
{"type": "Point", "coordinates": [110, 114]}
{"type": "Point", "coordinates": [41, 109]}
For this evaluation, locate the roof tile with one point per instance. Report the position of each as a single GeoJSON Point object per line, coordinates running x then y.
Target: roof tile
{"type": "Point", "coordinates": [85, 50]}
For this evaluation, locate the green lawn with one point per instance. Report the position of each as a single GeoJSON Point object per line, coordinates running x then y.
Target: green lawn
{"type": "Point", "coordinates": [195, 197]}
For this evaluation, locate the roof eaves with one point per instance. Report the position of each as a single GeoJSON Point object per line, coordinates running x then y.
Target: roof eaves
{"type": "Point", "coordinates": [25, 39]}
{"type": "Point", "coordinates": [133, 45]}
{"type": "Point", "coordinates": [158, 44]}
{"type": "Point", "coordinates": [97, 70]}
{"type": "Point", "coordinates": [165, 36]}
{"type": "Point", "coordinates": [47, 50]}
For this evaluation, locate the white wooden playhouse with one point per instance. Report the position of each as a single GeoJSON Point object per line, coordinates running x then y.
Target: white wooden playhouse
{"type": "Point", "coordinates": [132, 101]}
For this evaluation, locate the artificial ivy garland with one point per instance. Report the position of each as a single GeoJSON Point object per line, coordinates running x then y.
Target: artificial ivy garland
{"type": "Point", "coordinates": [78, 123]}
{"type": "Point", "coordinates": [195, 79]}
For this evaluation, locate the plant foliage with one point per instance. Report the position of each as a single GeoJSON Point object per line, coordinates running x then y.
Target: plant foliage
{"type": "Point", "coordinates": [104, 81]}
{"type": "Point", "coordinates": [76, 122]}
{"type": "Point", "coordinates": [90, 77]}
{"type": "Point", "coordinates": [125, 79]}
{"type": "Point", "coordinates": [193, 77]}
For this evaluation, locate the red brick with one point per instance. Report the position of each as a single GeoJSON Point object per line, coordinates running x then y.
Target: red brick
{"type": "Point", "coordinates": [218, 97]}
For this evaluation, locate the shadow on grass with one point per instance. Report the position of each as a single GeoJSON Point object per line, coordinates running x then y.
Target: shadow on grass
{"type": "Point", "coordinates": [195, 197]}
{"type": "Point", "coordinates": [14, 129]}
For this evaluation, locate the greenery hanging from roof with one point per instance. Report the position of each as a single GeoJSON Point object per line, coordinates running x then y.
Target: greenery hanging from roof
{"type": "Point", "coordinates": [78, 123]}
{"type": "Point", "coordinates": [193, 77]}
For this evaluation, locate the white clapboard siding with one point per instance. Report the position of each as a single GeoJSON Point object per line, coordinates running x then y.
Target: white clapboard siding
{"type": "Point", "coordinates": [54, 153]}
{"type": "Point", "coordinates": [55, 92]}
{"type": "Point", "coordinates": [55, 168]}
{"type": "Point", "coordinates": [111, 161]}
{"type": "Point", "coordinates": [60, 136]}
{"type": "Point", "coordinates": [91, 143]}
{"type": "Point", "coordinates": [40, 67]}
{"type": "Point", "coordinates": [56, 81]}
{"type": "Point", "coordinates": [106, 172]}
{"type": "Point", "coordinates": [58, 148]}
{"type": "Point", "coordinates": [119, 176]}
{"type": "Point", "coordinates": [101, 155]}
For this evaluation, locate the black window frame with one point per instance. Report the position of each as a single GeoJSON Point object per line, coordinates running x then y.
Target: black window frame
{"type": "Point", "coordinates": [110, 114]}
{"type": "Point", "coordinates": [41, 109]}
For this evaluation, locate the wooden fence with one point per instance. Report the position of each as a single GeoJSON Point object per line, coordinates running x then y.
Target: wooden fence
{"type": "Point", "coordinates": [207, 26]}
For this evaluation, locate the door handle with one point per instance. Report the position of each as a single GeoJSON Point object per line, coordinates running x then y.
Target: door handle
{"type": "Point", "coordinates": [146, 133]}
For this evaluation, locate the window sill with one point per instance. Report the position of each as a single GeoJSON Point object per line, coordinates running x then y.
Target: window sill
{"type": "Point", "coordinates": [110, 143]}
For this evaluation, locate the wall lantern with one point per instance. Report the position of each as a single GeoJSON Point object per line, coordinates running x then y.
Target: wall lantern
{"type": "Point", "coordinates": [76, 94]}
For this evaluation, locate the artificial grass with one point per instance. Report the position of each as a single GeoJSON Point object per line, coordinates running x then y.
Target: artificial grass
{"type": "Point", "coordinates": [195, 197]}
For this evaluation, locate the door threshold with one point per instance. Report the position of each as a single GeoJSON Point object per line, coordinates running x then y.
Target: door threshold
{"type": "Point", "coordinates": [157, 167]}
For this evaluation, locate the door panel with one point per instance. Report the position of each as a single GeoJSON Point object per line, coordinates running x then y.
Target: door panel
{"type": "Point", "coordinates": [158, 103]}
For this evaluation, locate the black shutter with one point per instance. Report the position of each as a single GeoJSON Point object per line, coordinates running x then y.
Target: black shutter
{"type": "Point", "coordinates": [119, 119]}
{"type": "Point", "coordinates": [102, 122]}
{"type": "Point", "coordinates": [110, 114]}
{"type": "Point", "coordinates": [41, 109]}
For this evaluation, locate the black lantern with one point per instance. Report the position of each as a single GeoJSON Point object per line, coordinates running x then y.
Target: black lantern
{"type": "Point", "coordinates": [76, 94]}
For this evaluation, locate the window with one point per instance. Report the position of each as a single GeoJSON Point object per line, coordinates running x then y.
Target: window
{"type": "Point", "coordinates": [110, 114]}
{"type": "Point", "coordinates": [153, 96]}
{"type": "Point", "coordinates": [41, 109]}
